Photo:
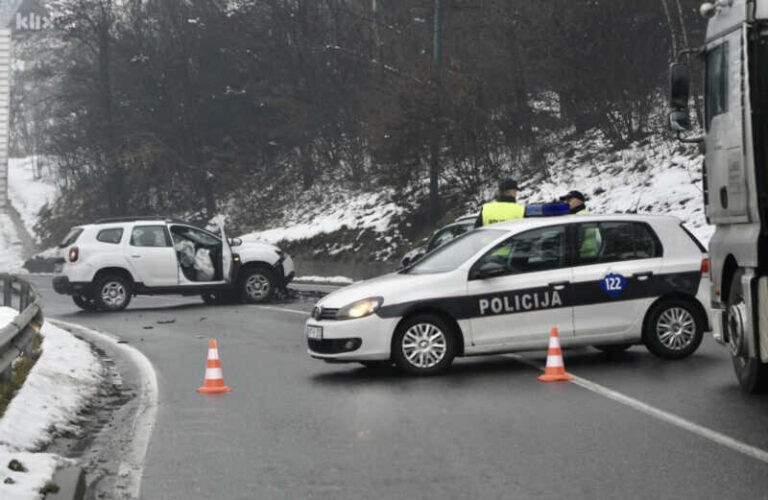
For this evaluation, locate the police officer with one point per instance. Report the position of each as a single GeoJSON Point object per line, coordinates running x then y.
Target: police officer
{"type": "Point", "coordinates": [504, 208]}
{"type": "Point", "coordinates": [575, 200]}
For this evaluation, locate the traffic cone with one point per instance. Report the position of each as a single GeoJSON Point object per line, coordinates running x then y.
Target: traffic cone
{"type": "Point", "coordinates": [214, 380]}
{"type": "Point", "coordinates": [555, 370]}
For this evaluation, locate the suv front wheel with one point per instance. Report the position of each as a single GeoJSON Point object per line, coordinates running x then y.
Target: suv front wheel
{"type": "Point", "coordinates": [257, 285]}
{"type": "Point", "coordinates": [112, 293]}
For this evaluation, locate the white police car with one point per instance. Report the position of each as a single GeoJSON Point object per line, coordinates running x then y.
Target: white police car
{"type": "Point", "coordinates": [606, 281]}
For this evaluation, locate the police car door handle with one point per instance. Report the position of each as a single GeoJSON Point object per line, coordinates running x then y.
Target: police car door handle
{"type": "Point", "coordinates": [559, 285]}
{"type": "Point", "coordinates": [643, 276]}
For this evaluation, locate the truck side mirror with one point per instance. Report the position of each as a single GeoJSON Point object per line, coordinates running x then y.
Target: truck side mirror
{"type": "Point", "coordinates": [679, 94]}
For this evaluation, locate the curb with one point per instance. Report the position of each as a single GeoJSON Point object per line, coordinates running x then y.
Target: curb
{"type": "Point", "coordinates": [70, 482]}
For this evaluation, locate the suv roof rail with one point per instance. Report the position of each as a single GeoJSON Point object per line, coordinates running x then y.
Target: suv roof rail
{"type": "Point", "coordinates": [135, 218]}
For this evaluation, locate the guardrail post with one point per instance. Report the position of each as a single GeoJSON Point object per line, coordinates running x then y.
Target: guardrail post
{"type": "Point", "coordinates": [24, 296]}
{"type": "Point", "coordinates": [7, 291]}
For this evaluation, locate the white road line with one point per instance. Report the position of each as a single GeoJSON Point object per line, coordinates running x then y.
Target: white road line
{"type": "Point", "coordinates": [699, 430]}
{"type": "Point", "coordinates": [131, 468]}
{"type": "Point", "coordinates": [283, 309]}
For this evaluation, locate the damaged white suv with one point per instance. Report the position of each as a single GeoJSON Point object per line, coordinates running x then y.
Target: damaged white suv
{"type": "Point", "coordinates": [106, 263]}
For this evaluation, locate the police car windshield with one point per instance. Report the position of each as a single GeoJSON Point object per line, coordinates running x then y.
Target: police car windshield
{"type": "Point", "coordinates": [454, 253]}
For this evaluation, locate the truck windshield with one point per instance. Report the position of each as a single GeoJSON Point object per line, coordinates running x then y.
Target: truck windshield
{"type": "Point", "coordinates": [454, 253]}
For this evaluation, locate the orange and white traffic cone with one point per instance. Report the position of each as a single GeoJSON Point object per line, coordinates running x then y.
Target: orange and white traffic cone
{"type": "Point", "coordinates": [214, 380]}
{"type": "Point", "coordinates": [555, 370]}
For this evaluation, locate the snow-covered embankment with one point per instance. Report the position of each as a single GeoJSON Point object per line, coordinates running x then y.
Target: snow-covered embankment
{"type": "Point", "coordinates": [64, 378]}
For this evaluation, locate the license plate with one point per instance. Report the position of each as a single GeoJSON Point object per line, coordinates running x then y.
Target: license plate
{"type": "Point", "coordinates": [314, 332]}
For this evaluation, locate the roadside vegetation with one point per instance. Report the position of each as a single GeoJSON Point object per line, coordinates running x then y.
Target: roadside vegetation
{"type": "Point", "coordinates": [204, 107]}
{"type": "Point", "coordinates": [21, 368]}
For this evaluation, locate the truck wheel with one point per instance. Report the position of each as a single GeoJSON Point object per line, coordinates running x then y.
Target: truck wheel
{"type": "Point", "coordinates": [674, 329]}
{"type": "Point", "coordinates": [85, 303]}
{"type": "Point", "coordinates": [113, 293]}
{"type": "Point", "coordinates": [750, 372]}
{"type": "Point", "coordinates": [257, 285]}
{"type": "Point", "coordinates": [424, 345]}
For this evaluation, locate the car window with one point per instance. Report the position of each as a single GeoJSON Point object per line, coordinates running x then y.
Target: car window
{"type": "Point", "coordinates": [194, 235]}
{"type": "Point", "coordinates": [615, 242]}
{"type": "Point", "coordinates": [149, 236]}
{"type": "Point", "coordinates": [716, 83]}
{"type": "Point", "coordinates": [71, 237]}
{"type": "Point", "coordinates": [113, 235]}
{"type": "Point", "coordinates": [537, 250]}
{"type": "Point", "coordinates": [456, 252]}
{"type": "Point", "coordinates": [441, 238]}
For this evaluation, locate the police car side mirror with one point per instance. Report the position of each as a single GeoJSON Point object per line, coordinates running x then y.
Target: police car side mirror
{"type": "Point", "coordinates": [235, 242]}
{"type": "Point", "coordinates": [488, 270]}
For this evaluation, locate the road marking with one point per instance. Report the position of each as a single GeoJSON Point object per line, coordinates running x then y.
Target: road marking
{"type": "Point", "coordinates": [284, 309]}
{"type": "Point", "coordinates": [699, 430]}
{"type": "Point", "coordinates": [131, 468]}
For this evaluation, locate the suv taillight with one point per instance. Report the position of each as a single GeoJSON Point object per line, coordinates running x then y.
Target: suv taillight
{"type": "Point", "coordinates": [704, 267]}
{"type": "Point", "coordinates": [74, 253]}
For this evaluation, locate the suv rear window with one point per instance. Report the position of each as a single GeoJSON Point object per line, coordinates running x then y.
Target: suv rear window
{"type": "Point", "coordinates": [71, 237]}
{"type": "Point", "coordinates": [113, 235]}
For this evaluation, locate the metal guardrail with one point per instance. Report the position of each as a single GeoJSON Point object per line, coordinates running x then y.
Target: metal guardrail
{"type": "Point", "coordinates": [16, 338]}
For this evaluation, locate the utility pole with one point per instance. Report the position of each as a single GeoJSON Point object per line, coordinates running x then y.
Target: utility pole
{"type": "Point", "coordinates": [434, 145]}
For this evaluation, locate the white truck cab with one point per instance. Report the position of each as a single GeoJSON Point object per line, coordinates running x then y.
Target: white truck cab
{"type": "Point", "coordinates": [108, 262]}
{"type": "Point", "coordinates": [735, 54]}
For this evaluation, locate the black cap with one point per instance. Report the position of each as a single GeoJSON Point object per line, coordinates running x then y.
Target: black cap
{"type": "Point", "coordinates": [573, 194]}
{"type": "Point", "coordinates": [507, 184]}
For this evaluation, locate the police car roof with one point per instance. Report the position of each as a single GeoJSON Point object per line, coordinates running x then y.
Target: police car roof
{"type": "Point", "coordinates": [534, 222]}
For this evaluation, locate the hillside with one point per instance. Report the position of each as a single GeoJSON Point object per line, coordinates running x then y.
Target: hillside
{"type": "Point", "coordinates": [655, 175]}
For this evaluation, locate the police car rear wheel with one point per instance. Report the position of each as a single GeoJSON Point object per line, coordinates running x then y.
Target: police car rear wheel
{"type": "Point", "coordinates": [424, 345]}
{"type": "Point", "coordinates": [674, 330]}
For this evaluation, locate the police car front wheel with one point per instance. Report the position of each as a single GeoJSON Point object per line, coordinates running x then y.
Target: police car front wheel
{"type": "Point", "coordinates": [424, 345]}
{"type": "Point", "coordinates": [674, 329]}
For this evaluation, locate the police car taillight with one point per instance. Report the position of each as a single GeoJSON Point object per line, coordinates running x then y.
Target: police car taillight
{"type": "Point", "coordinates": [705, 267]}
{"type": "Point", "coordinates": [74, 253]}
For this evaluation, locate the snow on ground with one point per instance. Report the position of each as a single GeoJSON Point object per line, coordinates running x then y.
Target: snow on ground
{"type": "Point", "coordinates": [63, 379]}
{"type": "Point", "coordinates": [27, 194]}
{"type": "Point", "coordinates": [334, 280]}
{"type": "Point", "coordinates": [660, 176]}
{"type": "Point", "coordinates": [10, 246]}
{"type": "Point", "coordinates": [353, 211]}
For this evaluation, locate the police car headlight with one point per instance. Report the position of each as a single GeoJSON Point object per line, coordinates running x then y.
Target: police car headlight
{"type": "Point", "coordinates": [360, 309]}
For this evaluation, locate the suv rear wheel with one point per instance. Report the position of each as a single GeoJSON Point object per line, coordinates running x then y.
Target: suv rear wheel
{"type": "Point", "coordinates": [257, 285]}
{"type": "Point", "coordinates": [85, 302]}
{"type": "Point", "coordinates": [113, 293]}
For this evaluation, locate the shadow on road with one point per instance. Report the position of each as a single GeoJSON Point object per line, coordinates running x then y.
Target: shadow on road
{"type": "Point", "coordinates": [465, 369]}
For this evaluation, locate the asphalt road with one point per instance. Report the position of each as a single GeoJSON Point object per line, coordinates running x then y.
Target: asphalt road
{"type": "Point", "coordinates": [296, 428]}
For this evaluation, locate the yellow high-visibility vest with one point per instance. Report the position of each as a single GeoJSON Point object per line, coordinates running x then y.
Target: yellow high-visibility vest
{"type": "Point", "coordinates": [500, 211]}
{"type": "Point", "coordinates": [583, 212]}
